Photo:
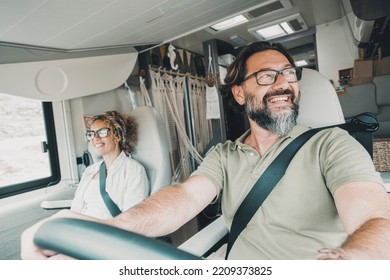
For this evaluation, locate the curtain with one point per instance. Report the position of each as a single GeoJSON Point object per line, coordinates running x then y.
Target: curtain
{"type": "Point", "coordinates": [168, 94]}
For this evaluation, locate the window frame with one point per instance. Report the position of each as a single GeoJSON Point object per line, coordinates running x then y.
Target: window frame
{"type": "Point", "coordinates": [52, 148]}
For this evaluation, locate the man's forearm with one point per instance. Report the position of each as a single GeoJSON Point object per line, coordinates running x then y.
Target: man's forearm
{"type": "Point", "coordinates": [369, 242]}
{"type": "Point", "coordinates": [159, 214]}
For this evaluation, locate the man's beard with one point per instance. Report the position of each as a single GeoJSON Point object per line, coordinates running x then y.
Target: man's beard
{"type": "Point", "coordinates": [280, 123]}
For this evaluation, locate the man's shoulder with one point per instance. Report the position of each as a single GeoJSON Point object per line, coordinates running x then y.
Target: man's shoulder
{"type": "Point", "coordinates": [233, 144]}
{"type": "Point", "coordinates": [327, 130]}
{"type": "Point", "coordinates": [335, 131]}
{"type": "Point", "coordinates": [225, 146]}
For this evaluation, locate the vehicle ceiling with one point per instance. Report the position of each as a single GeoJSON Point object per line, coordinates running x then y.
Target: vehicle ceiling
{"type": "Point", "coordinates": [44, 30]}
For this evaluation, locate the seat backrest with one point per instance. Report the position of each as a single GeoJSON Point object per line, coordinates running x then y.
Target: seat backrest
{"type": "Point", "coordinates": [382, 86]}
{"type": "Point", "coordinates": [152, 148]}
{"type": "Point", "coordinates": [358, 99]}
{"type": "Point", "coordinates": [319, 104]}
{"type": "Point", "coordinates": [320, 107]}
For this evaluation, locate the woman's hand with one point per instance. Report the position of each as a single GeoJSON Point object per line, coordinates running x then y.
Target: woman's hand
{"type": "Point", "coordinates": [29, 251]}
{"type": "Point", "coordinates": [28, 248]}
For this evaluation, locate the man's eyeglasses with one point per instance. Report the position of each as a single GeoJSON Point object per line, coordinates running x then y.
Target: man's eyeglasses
{"type": "Point", "coordinates": [269, 77]}
{"type": "Point", "coordinates": [101, 133]}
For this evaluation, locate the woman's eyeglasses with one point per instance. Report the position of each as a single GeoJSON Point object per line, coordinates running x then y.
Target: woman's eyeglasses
{"type": "Point", "coordinates": [101, 133]}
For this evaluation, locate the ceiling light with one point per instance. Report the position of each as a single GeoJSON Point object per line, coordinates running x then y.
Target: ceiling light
{"type": "Point", "coordinates": [301, 63]}
{"type": "Point", "coordinates": [229, 23]}
{"type": "Point", "coordinates": [271, 32]}
{"type": "Point", "coordinates": [279, 28]}
{"type": "Point", "coordinates": [287, 27]}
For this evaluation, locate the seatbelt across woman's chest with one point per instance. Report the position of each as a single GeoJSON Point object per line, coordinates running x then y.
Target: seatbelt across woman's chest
{"type": "Point", "coordinates": [112, 207]}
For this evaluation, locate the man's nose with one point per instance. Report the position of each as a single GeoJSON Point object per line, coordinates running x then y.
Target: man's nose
{"type": "Point", "coordinates": [281, 82]}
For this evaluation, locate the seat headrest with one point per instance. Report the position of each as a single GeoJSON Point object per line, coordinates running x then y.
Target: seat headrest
{"type": "Point", "coordinates": [152, 148]}
{"type": "Point", "coordinates": [319, 105]}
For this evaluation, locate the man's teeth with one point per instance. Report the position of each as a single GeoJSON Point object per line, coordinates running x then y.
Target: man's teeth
{"type": "Point", "coordinates": [278, 98]}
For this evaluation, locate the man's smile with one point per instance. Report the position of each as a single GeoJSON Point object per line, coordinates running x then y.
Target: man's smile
{"type": "Point", "coordinates": [278, 98]}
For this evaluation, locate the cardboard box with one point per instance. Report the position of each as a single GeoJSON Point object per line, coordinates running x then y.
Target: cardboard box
{"type": "Point", "coordinates": [363, 68]}
{"type": "Point", "coordinates": [382, 66]}
{"type": "Point", "coordinates": [359, 81]}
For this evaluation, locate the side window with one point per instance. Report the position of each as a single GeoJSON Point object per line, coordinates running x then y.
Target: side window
{"type": "Point", "coordinates": [28, 148]}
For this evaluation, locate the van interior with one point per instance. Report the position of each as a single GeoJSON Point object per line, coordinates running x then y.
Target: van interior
{"type": "Point", "coordinates": [62, 62]}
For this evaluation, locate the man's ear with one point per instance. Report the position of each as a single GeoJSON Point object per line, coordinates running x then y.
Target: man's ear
{"type": "Point", "coordinates": [238, 94]}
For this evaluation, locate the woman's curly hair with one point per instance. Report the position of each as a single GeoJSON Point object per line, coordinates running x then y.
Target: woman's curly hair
{"type": "Point", "coordinates": [124, 128]}
{"type": "Point", "coordinates": [237, 70]}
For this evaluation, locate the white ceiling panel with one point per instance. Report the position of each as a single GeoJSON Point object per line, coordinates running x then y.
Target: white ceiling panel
{"type": "Point", "coordinates": [33, 30]}
{"type": "Point", "coordinates": [75, 24]}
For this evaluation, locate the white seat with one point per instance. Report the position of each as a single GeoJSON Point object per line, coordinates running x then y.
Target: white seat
{"type": "Point", "coordinates": [319, 105]}
{"type": "Point", "coordinates": [152, 148]}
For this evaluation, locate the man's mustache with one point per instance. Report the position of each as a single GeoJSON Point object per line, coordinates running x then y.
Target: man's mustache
{"type": "Point", "coordinates": [279, 92]}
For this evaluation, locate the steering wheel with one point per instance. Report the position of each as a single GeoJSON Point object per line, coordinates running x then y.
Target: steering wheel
{"type": "Point", "coordinates": [88, 240]}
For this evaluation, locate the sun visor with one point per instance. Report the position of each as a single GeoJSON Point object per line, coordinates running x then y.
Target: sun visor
{"type": "Point", "coordinates": [56, 80]}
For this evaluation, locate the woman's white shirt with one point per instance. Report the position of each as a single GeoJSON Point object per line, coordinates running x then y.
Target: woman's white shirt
{"type": "Point", "coordinates": [126, 183]}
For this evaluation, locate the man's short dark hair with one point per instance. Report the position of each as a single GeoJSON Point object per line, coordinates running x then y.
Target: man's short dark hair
{"type": "Point", "coordinates": [237, 70]}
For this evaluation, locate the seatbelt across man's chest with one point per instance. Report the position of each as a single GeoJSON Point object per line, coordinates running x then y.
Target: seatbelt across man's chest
{"type": "Point", "coordinates": [264, 186]}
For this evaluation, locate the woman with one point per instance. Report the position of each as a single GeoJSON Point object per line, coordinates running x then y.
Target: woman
{"type": "Point", "coordinates": [113, 136]}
